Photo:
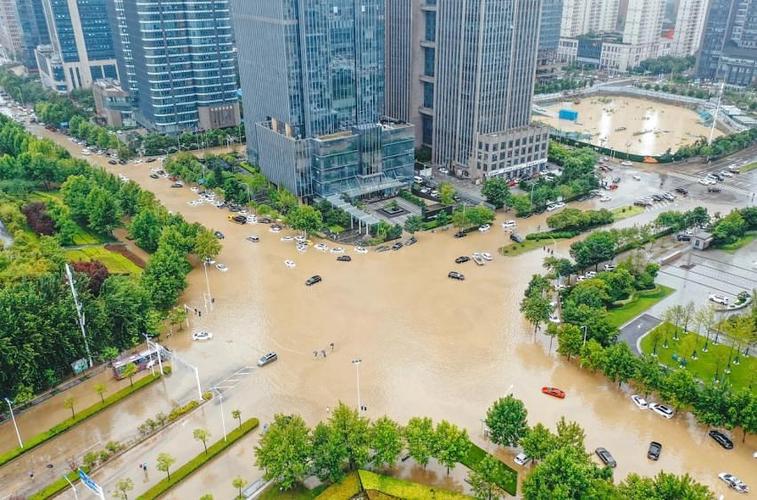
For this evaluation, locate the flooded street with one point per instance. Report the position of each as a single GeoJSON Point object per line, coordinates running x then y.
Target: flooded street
{"type": "Point", "coordinates": [429, 346]}
{"type": "Point", "coordinates": [630, 124]}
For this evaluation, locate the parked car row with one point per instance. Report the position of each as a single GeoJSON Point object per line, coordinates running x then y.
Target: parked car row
{"type": "Point", "coordinates": [648, 201]}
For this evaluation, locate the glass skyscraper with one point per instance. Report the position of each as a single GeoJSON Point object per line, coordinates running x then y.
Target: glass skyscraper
{"type": "Point", "coordinates": [82, 44]}
{"type": "Point", "coordinates": [177, 61]}
{"type": "Point", "coordinates": [312, 75]}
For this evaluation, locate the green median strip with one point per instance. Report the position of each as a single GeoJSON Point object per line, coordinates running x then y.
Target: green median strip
{"type": "Point", "coordinates": [507, 478]}
{"type": "Point", "coordinates": [193, 465]}
{"type": "Point", "coordinates": [57, 487]}
{"type": "Point", "coordinates": [83, 415]}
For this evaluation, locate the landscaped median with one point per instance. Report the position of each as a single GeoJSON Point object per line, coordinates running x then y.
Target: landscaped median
{"type": "Point", "coordinates": [636, 304]}
{"type": "Point", "coordinates": [193, 465]}
{"type": "Point", "coordinates": [507, 478]}
{"type": "Point", "coordinates": [62, 427]}
{"type": "Point", "coordinates": [379, 486]}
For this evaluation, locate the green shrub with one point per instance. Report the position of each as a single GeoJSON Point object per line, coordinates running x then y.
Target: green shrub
{"type": "Point", "coordinates": [62, 427]}
{"type": "Point", "coordinates": [193, 465]}
{"type": "Point", "coordinates": [415, 200]}
{"type": "Point", "coordinates": [207, 396]}
{"type": "Point", "coordinates": [178, 411]}
{"type": "Point", "coordinates": [552, 235]}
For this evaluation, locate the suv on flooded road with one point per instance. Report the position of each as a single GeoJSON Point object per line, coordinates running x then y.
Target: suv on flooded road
{"type": "Point", "coordinates": [313, 280]}
{"type": "Point", "coordinates": [605, 457]}
{"type": "Point", "coordinates": [267, 359]}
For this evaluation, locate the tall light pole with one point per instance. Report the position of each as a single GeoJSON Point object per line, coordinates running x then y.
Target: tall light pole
{"type": "Point", "coordinates": [357, 362]}
{"type": "Point", "coordinates": [13, 417]}
{"type": "Point", "coordinates": [208, 300]}
{"type": "Point", "coordinates": [79, 312]}
{"type": "Point", "coordinates": [223, 420]}
{"type": "Point", "coordinates": [585, 329]}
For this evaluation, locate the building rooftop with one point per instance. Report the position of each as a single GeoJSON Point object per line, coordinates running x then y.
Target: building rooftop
{"type": "Point", "coordinates": [110, 88]}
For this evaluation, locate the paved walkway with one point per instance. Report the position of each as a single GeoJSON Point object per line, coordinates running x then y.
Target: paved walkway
{"type": "Point", "coordinates": [633, 331]}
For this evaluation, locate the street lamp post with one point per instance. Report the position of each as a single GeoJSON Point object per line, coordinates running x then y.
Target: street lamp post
{"type": "Point", "coordinates": [208, 300]}
{"type": "Point", "coordinates": [357, 362]}
{"type": "Point", "coordinates": [585, 329]}
{"type": "Point", "coordinates": [13, 417]}
{"type": "Point", "coordinates": [223, 419]}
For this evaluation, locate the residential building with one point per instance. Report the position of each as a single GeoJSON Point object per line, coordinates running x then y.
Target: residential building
{"type": "Point", "coordinates": [112, 104]}
{"type": "Point", "coordinates": [688, 28]}
{"type": "Point", "coordinates": [588, 16]}
{"type": "Point", "coordinates": [549, 39]}
{"type": "Point", "coordinates": [728, 51]}
{"type": "Point", "coordinates": [177, 61]}
{"type": "Point", "coordinates": [313, 86]}
{"type": "Point", "coordinates": [81, 43]}
{"type": "Point", "coordinates": [483, 88]}
{"type": "Point", "coordinates": [643, 29]}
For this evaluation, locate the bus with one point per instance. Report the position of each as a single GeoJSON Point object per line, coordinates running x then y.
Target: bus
{"type": "Point", "coordinates": [142, 360]}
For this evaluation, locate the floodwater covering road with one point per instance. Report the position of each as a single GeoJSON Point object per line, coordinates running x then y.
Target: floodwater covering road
{"type": "Point", "coordinates": [631, 124]}
{"type": "Point", "coordinates": [429, 346]}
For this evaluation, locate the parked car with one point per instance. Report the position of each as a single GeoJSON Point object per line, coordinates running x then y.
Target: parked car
{"type": "Point", "coordinates": [661, 410]}
{"type": "Point", "coordinates": [218, 234]}
{"type": "Point", "coordinates": [253, 238]}
{"type": "Point", "coordinates": [683, 237]}
{"type": "Point", "coordinates": [733, 482]}
{"type": "Point", "coordinates": [267, 359]}
{"type": "Point", "coordinates": [639, 401]}
{"type": "Point", "coordinates": [344, 258]}
{"type": "Point", "coordinates": [313, 280]}
{"type": "Point", "coordinates": [509, 224]}
{"type": "Point", "coordinates": [202, 335]}
{"type": "Point", "coordinates": [654, 450]}
{"type": "Point", "coordinates": [112, 162]}
{"type": "Point", "coordinates": [239, 219]}
{"type": "Point", "coordinates": [719, 299]}
{"type": "Point", "coordinates": [721, 439]}
{"type": "Point", "coordinates": [150, 160]}
{"type": "Point", "coordinates": [713, 189]}
{"type": "Point", "coordinates": [609, 267]}
{"type": "Point", "coordinates": [462, 259]}
{"type": "Point", "coordinates": [461, 234]}
{"type": "Point", "coordinates": [554, 392]}
{"type": "Point", "coordinates": [456, 276]}
{"type": "Point", "coordinates": [517, 238]}
{"type": "Point", "coordinates": [222, 267]}
{"type": "Point", "coordinates": [681, 190]}
{"type": "Point", "coordinates": [397, 246]}
{"type": "Point", "coordinates": [177, 185]}
{"type": "Point", "coordinates": [521, 459]}
{"type": "Point", "coordinates": [484, 227]}
{"type": "Point", "coordinates": [606, 457]}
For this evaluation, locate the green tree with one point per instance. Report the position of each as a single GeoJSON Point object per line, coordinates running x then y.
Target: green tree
{"type": "Point", "coordinates": [664, 486]}
{"type": "Point", "coordinates": [353, 431]}
{"type": "Point", "coordinates": [202, 435]}
{"type": "Point", "coordinates": [330, 455]}
{"type": "Point", "coordinates": [619, 363]}
{"type": "Point", "coordinates": [413, 224]}
{"type": "Point", "coordinates": [69, 403]}
{"type": "Point", "coordinates": [206, 245]}
{"type": "Point", "coordinates": [103, 212]}
{"type": "Point", "coordinates": [165, 276]}
{"type": "Point", "coordinates": [386, 440]}
{"type": "Point", "coordinates": [164, 462]}
{"type": "Point", "coordinates": [446, 193]}
{"type": "Point", "coordinates": [592, 355]}
{"type": "Point", "coordinates": [451, 444]}
{"type": "Point", "coordinates": [129, 371]}
{"type": "Point", "coordinates": [176, 317]}
{"type": "Point", "coordinates": [507, 421]}
{"type": "Point", "coordinates": [680, 388]}
{"type": "Point", "coordinates": [239, 483]}
{"type": "Point", "coordinates": [570, 339]}
{"type": "Point", "coordinates": [419, 434]}
{"type": "Point", "coordinates": [496, 191]}
{"type": "Point", "coordinates": [100, 390]}
{"type": "Point", "coordinates": [236, 414]}
{"type": "Point", "coordinates": [538, 442]}
{"type": "Point", "coordinates": [483, 479]}
{"type": "Point", "coordinates": [564, 474]}
{"type": "Point", "coordinates": [145, 229]}
{"type": "Point", "coordinates": [305, 218]}
{"type": "Point", "coordinates": [123, 486]}
{"type": "Point", "coordinates": [598, 247]}
{"type": "Point", "coordinates": [284, 451]}
{"type": "Point", "coordinates": [570, 434]}
{"type": "Point", "coordinates": [536, 309]}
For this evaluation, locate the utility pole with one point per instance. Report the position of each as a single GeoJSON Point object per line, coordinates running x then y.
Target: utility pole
{"type": "Point", "coordinates": [357, 362]}
{"type": "Point", "coordinates": [79, 312]}
{"type": "Point", "coordinates": [13, 417]}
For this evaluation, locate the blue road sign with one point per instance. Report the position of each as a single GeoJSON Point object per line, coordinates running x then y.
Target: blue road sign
{"type": "Point", "coordinates": [90, 483]}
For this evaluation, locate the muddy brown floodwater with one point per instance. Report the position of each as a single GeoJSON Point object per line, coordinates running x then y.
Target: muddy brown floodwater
{"type": "Point", "coordinates": [631, 124]}
{"type": "Point", "coordinates": [429, 346]}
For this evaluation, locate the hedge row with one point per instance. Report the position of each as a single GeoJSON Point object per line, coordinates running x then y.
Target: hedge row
{"type": "Point", "coordinates": [415, 200]}
{"type": "Point", "coordinates": [57, 487]}
{"type": "Point", "coordinates": [193, 465]}
{"type": "Point", "coordinates": [62, 427]}
{"type": "Point", "coordinates": [553, 235]}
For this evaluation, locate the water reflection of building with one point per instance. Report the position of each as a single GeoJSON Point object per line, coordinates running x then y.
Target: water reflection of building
{"type": "Point", "coordinates": [313, 87]}
{"type": "Point", "coordinates": [729, 43]}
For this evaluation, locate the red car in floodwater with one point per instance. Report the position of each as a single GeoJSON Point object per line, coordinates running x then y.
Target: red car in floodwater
{"type": "Point", "coordinates": [553, 391]}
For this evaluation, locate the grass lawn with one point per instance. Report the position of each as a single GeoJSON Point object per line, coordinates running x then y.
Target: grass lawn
{"type": "Point", "coordinates": [621, 213]}
{"type": "Point", "coordinates": [748, 168]}
{"type": "Point", "coordinates": [507, 477]}
{"type": "Point", "coordinates": [297, 493]}
{"type": "Point", "coordinates": [749, 237]}
{"type": "Point", "coordinates": [398, 488]}
{"type": "Point", "coordinates": [705, 366]}
{"type": "Point", "coordinates": [515, 249]}
{"type": "Point", "coordinates": [644, 300]}
{"type": "Point", "coordinates": [84, 236]}
{"type": "Point", "coordinates": [116, 263]}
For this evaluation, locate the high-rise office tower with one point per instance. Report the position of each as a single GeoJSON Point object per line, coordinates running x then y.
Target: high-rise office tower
{"type": "Point", "coordinates": [588, 16]}
{"type": "Point", "coordinates": [177, 62]}
{"type": "Point", "coordinates": [31, 14]}
{"type": "Point", "coordinates": [81, 49]}
{"type": "Point", "coordinates": [398, 58]}
{"type": "Point", "coordinates": [728, 50]}
{"type": "Point", "coordinates": [481, 72]}
{"type": "Point", "coordinates": [688, 28]}
{"type": "Point", "coordinates": [549, 39]}
{"type": "Point", "coordinates": [10, 29]}
{"type": "Point", "coordinates": [313, 76]}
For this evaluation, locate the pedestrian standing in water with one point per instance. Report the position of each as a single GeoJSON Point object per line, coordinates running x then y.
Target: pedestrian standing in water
{"type": "Point", "coordinates": [315, 354]}
{"type": "Point", "coordinates": [323, 353]}
{"type": "Point", "coordinates": [332, 347]}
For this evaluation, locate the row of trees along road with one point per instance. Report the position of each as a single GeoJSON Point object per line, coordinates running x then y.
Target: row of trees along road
{"type": "Point", "coordinates": [39, 334]}
{"type": "Point", "coordinates": [564, 470]}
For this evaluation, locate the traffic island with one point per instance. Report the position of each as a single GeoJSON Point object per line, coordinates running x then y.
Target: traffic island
{"type": "Point", "coordinates": [197, 462]}
{"type": "Point", "coordinates": [83, 415]}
